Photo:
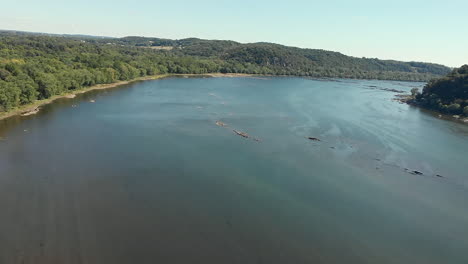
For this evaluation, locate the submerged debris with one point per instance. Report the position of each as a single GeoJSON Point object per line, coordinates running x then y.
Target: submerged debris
{"type": "Point", "coordinates": [242, 134]}
{"type": "Point", "coordinates": [314, 139]}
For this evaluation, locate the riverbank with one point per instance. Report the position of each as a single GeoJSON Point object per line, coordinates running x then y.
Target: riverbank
{"type": "Point", "coordinates": [408, 99]}
{"type": "Point", "coordinates": [33, 108]}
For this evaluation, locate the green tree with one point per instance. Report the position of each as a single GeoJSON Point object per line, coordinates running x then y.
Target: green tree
{"type": "Point", "coordinates": [47, 85]}
{"type": "Point", "coordinates": [9, 95]}
{"type": "Point", "coordinates": [28, 89]}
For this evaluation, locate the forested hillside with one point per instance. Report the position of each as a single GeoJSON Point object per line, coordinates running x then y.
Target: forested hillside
{"type": "Point", "coordinates": [447, 95]}
{"type": "Point", "coordinates": [38, 66]}
{"type": "Point", "coordinates": [281, 59]}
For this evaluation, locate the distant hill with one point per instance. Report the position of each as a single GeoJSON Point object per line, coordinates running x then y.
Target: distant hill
{"type": "Point", "coordinates": [286, 60]}
{"type": "Point", "coordinates": [448, 94]}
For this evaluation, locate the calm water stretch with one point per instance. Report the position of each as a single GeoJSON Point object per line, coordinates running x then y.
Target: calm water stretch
{"type": "Point", "coordinates": [145, 175]}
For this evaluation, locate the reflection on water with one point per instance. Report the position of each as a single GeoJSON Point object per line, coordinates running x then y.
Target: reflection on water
{"type": "Point", "coordinates": [144, 173]}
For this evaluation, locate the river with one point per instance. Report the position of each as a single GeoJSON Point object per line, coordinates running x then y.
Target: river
{"type": "Point", "coordinates": [143, 174]}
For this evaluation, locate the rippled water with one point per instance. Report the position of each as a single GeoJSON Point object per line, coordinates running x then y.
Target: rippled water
{"type": "Point", "coordinates": [144, 175]}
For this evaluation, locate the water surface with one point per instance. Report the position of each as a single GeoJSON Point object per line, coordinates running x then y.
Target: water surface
{"type": "Point", "coordinates": [144, 175]}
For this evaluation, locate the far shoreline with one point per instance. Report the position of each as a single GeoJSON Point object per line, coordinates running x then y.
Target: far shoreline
{"type": "Point", "coordinates": [33, 108]}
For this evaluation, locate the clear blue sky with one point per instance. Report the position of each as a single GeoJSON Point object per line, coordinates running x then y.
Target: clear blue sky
{"type": "Point", "coordinates": [417, 30]}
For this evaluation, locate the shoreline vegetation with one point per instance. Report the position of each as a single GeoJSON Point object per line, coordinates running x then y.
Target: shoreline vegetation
{"type": "Point", "coordinates": [34, 108]}
{"type": "Point", "coordinates": [446, 96]}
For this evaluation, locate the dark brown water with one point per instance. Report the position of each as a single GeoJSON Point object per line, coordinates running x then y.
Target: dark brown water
{"type": "Point", "coordinates": [144, 175]}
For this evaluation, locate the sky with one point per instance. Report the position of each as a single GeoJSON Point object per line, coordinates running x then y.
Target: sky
{"type": "Point", "coordinates": [407, 30]}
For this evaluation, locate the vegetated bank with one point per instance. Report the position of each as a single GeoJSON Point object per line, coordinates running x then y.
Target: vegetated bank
{"type": "Point", "coordinates": [41, 66]}
{"type": "Point", "coordinates": [33, 107]}
{"type": "Point", "coordinates": [446, 95]}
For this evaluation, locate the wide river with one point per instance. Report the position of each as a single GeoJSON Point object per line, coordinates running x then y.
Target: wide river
{"type": "Point", "coordinates": [143, 174]}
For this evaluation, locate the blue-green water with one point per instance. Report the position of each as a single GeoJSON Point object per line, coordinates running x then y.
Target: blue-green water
{"type": "Point", "coordinates": [144, 175]}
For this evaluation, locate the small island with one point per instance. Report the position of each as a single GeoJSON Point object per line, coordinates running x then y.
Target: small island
{"type": "Point", "coordinates": [447, 95]}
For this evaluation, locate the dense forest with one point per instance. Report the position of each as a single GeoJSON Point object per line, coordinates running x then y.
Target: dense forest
{"type": "Point", "coordinates": [283, 60]}
{"type": "Point", "coordinates": [447, 95]}
{"type": "Point", "coordinates": [37, 66]}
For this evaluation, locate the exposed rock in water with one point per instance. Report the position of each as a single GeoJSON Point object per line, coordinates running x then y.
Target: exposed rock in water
{"type": "Point", "coordinates": [402, 98]}
{"type": "Point", "coordinates": [313, 139]}
{"type": "Point", "coordinates": [242, 134]}
{"type": "Point", "coordinates": [221, 124]}
{"type": "Point", "coordinates": [392, 90]}
{"type": "Point", "coordinates": [373, 87]}
{"type": "Point", "coordinates": [92, 101]}
{"type": "Point", "coordinates": [414, 172]}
